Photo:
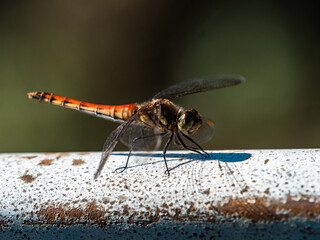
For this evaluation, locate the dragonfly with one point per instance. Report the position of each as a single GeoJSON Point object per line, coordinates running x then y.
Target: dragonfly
{"type": "Point", "coordinates": [154, 124]}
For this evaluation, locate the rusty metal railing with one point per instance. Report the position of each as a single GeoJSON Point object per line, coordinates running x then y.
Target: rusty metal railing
{"type": "Point", "coordinates": [231, 194]}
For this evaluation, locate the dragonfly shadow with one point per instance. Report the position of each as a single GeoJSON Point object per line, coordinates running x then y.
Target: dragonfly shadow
{"type": "Point", "coordinates": [223, 157]}
{"type": "Point", "coordinates": [229, 157]}
{"type": "Point", "coordinates": [191, 157]}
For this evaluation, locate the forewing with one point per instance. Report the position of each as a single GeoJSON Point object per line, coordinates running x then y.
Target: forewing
{"type": "Point", "coordinates": [200, 85]}
{"type": "Point", "coordinates": [111, 142]}
{"type": "Point", "coordinates": [142, 137]}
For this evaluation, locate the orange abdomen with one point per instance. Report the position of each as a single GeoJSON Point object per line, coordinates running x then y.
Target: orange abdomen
{"type": "Point", "coordinates": [113, 112]}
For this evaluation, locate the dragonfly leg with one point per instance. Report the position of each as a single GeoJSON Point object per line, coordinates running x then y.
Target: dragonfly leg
{"type": "Point", "coordinates": [164, 154]}
{"type": "Point", "coordinates": [204, 153]}
{"type": "Point", "coordinates": [121, 169]}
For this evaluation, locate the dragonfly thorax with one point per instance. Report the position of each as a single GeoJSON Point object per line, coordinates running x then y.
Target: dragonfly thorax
{"type": "Point", "coordinates": [167, 116]}
{"type": "Point", "coordinates": [189, 121]}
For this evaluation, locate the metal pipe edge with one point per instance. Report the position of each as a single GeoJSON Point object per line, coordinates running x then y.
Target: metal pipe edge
{"type": "Point", "coordinates": [231, 194]}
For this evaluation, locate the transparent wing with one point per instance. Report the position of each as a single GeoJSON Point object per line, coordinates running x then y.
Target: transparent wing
{"type": "Point", "coordinates": [199, 85]}
{"type": "Point", "coordinates": [142, 137]}
{"type": "Point", "coordinates": [111, 142]}
{"type": "Point", "coordinates": [145, 138]}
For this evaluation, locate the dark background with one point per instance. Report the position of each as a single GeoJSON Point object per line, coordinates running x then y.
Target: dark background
{"type": "Point", "coordinates": [119, 52]}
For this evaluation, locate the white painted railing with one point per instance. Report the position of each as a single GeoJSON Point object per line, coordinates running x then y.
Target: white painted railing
{"type": "Point", "coordinates": [231, 194]}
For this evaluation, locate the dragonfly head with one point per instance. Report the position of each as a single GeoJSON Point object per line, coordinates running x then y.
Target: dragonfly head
{"type": "Point", "coordinates": [189, 121]}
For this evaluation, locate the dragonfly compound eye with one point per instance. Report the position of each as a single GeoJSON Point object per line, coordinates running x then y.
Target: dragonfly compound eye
{"type": "Point", "coordinates": [190, 121]}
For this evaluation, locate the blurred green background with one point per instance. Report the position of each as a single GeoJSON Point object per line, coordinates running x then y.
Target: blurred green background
{"type": "Point", "coordinates": [119, 52]}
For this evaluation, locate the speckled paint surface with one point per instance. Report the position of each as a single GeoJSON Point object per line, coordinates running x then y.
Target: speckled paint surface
{"type": "Point", "coordinates": [234, 187]}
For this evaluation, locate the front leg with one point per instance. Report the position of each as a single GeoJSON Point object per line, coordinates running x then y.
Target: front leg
{"type": "Point", "coordinates": [164, 154]}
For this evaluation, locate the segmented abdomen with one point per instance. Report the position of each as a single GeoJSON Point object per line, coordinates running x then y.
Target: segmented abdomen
{"type": "Point", "coordinates": [120, 112]}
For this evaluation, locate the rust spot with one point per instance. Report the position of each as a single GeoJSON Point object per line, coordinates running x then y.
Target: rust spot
{"type": "Point", "coordinates": [29, 157]}
{"type": "Point", "coordinates": [62, 154]}
{"type": "Point", "coordinates": [266, 161]}
{"type": "Point", "coordinates": [156, 216]}
{"type": "Point", "coordinates": [72, 215]}
{"type": "Point", "coordinates": [164, 205]}
{"type": "Point", "coordinates": [27, 178]}
{"type": "Point", "coordinates": [3, 223]}
{"type": "Point", "coordinates": [244, 190]}
{"type": "Point", "coordinates": [77, 162]}
{"type": "Point", "coordinates": [126, 210]}
{"type": "Point", "coordinates": [301, 208]}
{"type": "Point", "coordinates": [83, 153]}
{"type": "Point", "coordinates": [267, 191]}
{"type": "Point", "coordinates": [45, 162]}
{"type": "Point", "coordinates": [254, 210]}
{"type": "Point", "coordinates": [191, 209]}
{"type": "Point", "coordinates": [207, 192]}
{"type": "Point", "coordinates": [258, 210]}
{"type": "Point", "coordinates": [59, 155]}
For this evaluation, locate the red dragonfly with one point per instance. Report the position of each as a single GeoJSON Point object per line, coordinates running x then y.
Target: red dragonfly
{"type": "Point", "coordinates": [154, 124]}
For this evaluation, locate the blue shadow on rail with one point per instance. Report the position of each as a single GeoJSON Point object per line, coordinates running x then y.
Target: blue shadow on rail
{"type": "Point", "coordinates": [190, 157]}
